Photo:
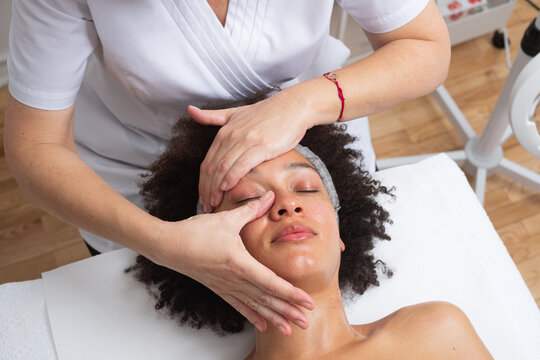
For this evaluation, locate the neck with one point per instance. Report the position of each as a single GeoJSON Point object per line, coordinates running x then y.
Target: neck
{"type": "Point", "coordinates": [328, 331]}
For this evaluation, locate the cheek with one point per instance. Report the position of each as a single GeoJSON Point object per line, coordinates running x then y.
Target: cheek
{"type": "Point", "coordinates": [325, 216]}
{"type": "Point", "coordinates": [329, 230]}
{"type": "Point", "coordinates": [252, 234]}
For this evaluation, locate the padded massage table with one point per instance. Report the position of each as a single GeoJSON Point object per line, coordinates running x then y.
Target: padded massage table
{"type": "Point", "coordinates": [443, 247]}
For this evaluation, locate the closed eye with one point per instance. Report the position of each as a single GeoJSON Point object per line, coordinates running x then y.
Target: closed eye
{"type": "Point", "coordinates": [308, 191]}
{"type": "Point", "coordinates": [243, 201]}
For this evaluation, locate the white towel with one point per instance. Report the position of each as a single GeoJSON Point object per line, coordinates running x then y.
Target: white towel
{"type": "Point", "coordinates": [443, 248]}
{"type": "Point", "coordinates": [24, 330]}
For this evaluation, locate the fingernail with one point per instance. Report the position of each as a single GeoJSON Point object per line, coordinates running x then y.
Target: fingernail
{"type": "Point", "coordinates": [282, 329]}
{"type": "Point", "coordinates": [223, 186]}
{"type": "Point", "coordinates": [258, 327]}
{"type": "Point", "coordinates": [212, 200]}
{"type": "Point", "coordinates": [306, 305]}
{"type": "Point", "coordinates": [300, 323]}
{"type": "Point", "coordinates": [206, 208]}
{"type": "Point", "coordinates": [266, 196]}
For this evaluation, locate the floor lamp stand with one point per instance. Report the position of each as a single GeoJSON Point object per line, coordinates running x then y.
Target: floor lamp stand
{"type": "Point", "coordinates": [483, 154]}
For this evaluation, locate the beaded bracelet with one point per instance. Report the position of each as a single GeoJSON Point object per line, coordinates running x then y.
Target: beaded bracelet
{"type": "Point", "coordinates": [333, 78]}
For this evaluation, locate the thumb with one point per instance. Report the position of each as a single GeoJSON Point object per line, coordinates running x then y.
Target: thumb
{"type": "Point", "coordinates": [253, 209]}
{"type": "Point", "coordinates": [210, 117]}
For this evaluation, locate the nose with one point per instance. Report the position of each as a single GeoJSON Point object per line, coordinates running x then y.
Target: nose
{"type": "Point", "coordinates": [286, 206]}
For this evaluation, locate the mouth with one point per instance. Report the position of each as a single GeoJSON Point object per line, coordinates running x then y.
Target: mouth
{"type": "Point", "coordinates": [294, 233]}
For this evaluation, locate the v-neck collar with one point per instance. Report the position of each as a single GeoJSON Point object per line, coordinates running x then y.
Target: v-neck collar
{"type": "Point", "coordinates": [243, 24]}
{"type": "Point", "coordinates": [231, 11]}
{"type": "Point", "coordinates": [215, 45]}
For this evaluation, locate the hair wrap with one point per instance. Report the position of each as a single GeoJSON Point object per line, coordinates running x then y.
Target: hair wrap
{"type": "Point", "coordinates": [323, 173]}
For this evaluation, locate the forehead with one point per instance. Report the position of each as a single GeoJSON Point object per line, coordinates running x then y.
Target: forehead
{"type": "Point", "coordinates": [282, 162]}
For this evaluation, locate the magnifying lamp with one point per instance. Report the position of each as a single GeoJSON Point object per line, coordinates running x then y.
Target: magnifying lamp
{"type": "Point", "coordinates": [525, 101]}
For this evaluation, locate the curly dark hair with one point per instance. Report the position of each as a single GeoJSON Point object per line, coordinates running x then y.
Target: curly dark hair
{"type": "Point", "coordinates": [171, 194]}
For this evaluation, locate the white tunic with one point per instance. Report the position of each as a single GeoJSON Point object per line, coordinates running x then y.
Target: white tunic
{"type": "Point", "coordinates": [134, 66]}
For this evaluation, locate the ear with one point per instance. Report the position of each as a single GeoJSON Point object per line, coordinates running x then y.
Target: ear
{"type": "Point", "coordinates": [341, 245]}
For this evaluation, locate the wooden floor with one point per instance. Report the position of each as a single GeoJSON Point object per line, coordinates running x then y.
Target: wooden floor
{"type": "Point", "coordinates": [32, 241]}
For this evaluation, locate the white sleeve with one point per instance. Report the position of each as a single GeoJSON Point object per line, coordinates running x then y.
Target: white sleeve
{"type": "Point", "coordinates": [381, 16]}
{"type": "Point", "coordinates": [49, 44]}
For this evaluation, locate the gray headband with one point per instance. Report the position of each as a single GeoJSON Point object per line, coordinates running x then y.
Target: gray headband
{"type": "Point", "coordinates": [321, 170]}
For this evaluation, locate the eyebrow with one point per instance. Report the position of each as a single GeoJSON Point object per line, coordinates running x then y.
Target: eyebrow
{"type": "Point", "coordinates": [291, 166]}
{"type": "Point", "coordinates": [299, 165]}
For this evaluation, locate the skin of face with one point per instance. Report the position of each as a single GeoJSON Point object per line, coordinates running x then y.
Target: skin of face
{"type": "Point", "coordinates": [298, 238]}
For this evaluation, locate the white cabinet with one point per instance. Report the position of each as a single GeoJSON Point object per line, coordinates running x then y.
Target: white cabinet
{"type": "Point", "coordinates": [483, 18]}
{"type": "Point", "coordinates": [478, 21]}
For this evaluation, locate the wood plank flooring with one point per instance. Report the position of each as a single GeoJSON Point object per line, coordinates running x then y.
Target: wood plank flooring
{"type": "Point", "coordinates": [477, 74]}
{"type": "Point", "coordinates": [32, 241]}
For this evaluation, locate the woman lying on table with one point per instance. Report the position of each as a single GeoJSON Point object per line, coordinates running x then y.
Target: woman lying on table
{"type": "Point", "coordinates": [317, 235]}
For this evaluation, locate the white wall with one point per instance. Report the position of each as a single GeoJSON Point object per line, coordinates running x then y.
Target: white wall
{"type": "Point", "coordinates": [5, 16]}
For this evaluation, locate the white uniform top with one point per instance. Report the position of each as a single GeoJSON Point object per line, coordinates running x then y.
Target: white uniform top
{"type": "Point", "coordinates": [134, 66]}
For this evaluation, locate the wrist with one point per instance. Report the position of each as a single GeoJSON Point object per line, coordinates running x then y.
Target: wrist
{"type": "Point", "coordinates": [158, 244]}
{"type": "Point", "coordinates": [145, 236]}
{"type": "Point", "coordinates": [332, 77]}
{"type": "Point", "coordinates": [319, 98]}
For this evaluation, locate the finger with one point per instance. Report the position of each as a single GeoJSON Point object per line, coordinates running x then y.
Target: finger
{"type": "Point", "coordinates": [205, 180]}
{"type": "Point", "coordinates": [251, 315]}
{"type": "Point", "coordinates": [209, 167]}
{"type": "Point", "coordinates": [269, 314]}
{"type": "Point", "coordinates": [227, 160]}
{"type": "Point", "coordinates": [210, 117]}
{"type": "Point", "coordinates": [270, 283]}
{"type": "Point", "coordinates": [248, 160]}
{"type": "Point", "coordinates": [251, 211]}
{"type": "Point", "coordinates": [284, 309]}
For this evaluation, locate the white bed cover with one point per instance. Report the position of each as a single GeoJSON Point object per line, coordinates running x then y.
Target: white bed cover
{"type": "Point", "coordinates": [443, 248]}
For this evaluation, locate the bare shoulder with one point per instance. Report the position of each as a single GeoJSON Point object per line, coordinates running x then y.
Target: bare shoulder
{"type": "Point", "coordinates": [434, 330]}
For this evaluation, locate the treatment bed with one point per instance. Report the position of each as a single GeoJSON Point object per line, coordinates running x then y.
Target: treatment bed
{"type": "Point", "coordinates": [443, 247]}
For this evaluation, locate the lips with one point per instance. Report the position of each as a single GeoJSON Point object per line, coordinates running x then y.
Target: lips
{"type": "Point", "coordinates": [294, 233]}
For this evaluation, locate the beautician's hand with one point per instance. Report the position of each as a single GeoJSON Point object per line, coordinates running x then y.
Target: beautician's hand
{"type": "Point", "coordinates": [250, 135]}
{"type": "Point", "coordinates": [214, 255]}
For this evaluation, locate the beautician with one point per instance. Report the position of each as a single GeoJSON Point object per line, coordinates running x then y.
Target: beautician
{"type": "Point", "coordinates": [95, 87]}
